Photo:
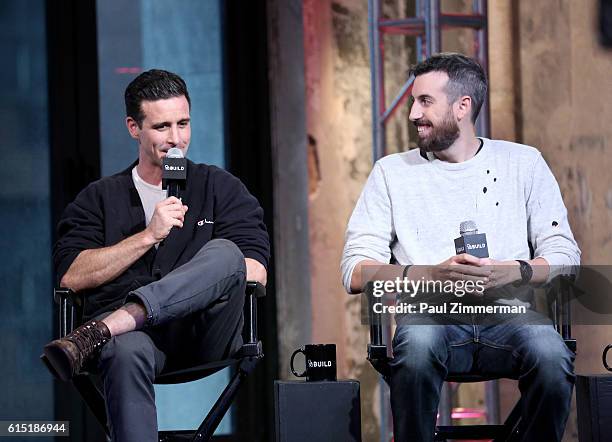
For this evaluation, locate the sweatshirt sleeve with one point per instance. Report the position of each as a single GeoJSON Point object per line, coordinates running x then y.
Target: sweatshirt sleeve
{"type": "Point", "coordinates": [239, 218]}
{"type": "Point", "coordinates": [81, 227]}
{"type": "Point", "coordinates": [547, 224]}
{"type": "Point", "coordinates": [370, 230]}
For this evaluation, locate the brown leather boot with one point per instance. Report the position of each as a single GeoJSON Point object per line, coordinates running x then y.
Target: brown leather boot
{"type": "Point", "coordinates": [65, 357]}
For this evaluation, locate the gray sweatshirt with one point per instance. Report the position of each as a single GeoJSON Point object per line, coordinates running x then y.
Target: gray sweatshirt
{"type": "Point", "coordinates": [411, 207]}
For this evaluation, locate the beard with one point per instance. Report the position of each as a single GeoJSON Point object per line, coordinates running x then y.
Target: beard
{"type": "Point", "coordinates": [441, 136]}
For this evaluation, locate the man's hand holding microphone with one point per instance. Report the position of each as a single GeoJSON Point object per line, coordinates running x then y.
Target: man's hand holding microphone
{"type": "Point", "coordinates": [472, 263]}
{"type": "Point", "coordinates": [168, 213]}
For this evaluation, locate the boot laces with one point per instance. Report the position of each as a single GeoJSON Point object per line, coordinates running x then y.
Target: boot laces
{"type": "Point", "coordinates": [88, 339]}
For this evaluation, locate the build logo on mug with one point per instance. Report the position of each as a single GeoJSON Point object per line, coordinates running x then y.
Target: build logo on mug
{"type": "Point", "coordinates": [320, 361]}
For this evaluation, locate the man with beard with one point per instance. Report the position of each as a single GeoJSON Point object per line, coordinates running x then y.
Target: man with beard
{"type": "Point", "coordinates": [408, 214]}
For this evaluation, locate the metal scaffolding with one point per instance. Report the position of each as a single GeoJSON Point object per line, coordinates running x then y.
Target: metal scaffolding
{"type": "Point", "coordinates": [427, 27]}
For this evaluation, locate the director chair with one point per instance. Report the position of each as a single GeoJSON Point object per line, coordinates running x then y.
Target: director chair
{"type": "Point", "coordinates": [71, 316]}
{"type": "Point", "coordinates": [558, 297]}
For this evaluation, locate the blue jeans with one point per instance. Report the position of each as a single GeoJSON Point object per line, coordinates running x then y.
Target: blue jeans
{"type": "Point", "coordinates": [536, 355]}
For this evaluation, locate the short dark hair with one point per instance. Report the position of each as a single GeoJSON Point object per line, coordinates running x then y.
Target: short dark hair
{"type": "Point", "coordinates": [155, 84]}
{"type": "Point", "coordinates": [465, 77]}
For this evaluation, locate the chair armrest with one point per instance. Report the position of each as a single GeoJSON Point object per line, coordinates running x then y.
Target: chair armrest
{"type": "Point", "coordinates": [256, 289]}
{"type": "Point", "coordinates": [72, 298]}
{"type": "Point", "coordinates": [377, 349]}
{"type": "Point", "coordinates": [251, 344]}
{"type": "Point", "coordinates": [70, 309]}
{"type": "Point", "coordinates": [559, 297]}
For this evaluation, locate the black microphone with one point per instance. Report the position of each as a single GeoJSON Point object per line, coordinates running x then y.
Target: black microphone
{"type": "Point", "coordinates": [174, 172]}
{"type": "Point", "coordinates": [470, 241]}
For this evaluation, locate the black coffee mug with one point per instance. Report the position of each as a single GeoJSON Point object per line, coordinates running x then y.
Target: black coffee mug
{"type": "Point", "coordinates": [320, 362]}
{"type": "Point", "coordinates": [604, 357]}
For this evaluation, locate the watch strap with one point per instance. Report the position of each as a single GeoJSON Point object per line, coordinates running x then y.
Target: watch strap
{"type": "Point", "coordinates": [526, 273]}
{"type": "Point", "coordinates": [405, 272]}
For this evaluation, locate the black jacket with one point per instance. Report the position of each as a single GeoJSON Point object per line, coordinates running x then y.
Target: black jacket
{"type": "Point", "coordinates": [109, 210]}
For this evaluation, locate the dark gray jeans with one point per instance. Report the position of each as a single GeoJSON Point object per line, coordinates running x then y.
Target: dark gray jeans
{"type": "Point", "coordinates": [195, 315]}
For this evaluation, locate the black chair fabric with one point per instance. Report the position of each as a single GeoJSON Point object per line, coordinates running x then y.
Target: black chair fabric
{"type": "Point", "coordinates": [71, 315]}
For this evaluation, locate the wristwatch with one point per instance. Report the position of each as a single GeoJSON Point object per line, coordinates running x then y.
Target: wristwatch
{"type": "Point", "coordinates": [526, 273]}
